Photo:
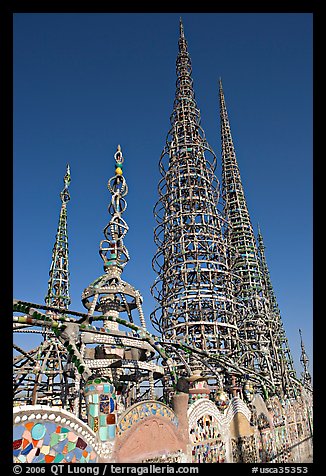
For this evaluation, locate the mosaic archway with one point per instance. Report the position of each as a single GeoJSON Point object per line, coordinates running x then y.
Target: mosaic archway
{"type": "Point", "coordinates": [43, 434]}
{"type": "Point", "coordinates": [208, 433]}
{"type": "Point", "coordinates": [148, 432]}
{"type": "Point", "coordinates": [242, 433]}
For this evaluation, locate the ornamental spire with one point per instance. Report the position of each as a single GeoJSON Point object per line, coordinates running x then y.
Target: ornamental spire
{"type": "Point", "coordinates": [109, 293]}
{"type": "Point", "coordinates": [58, 285]}
{"type": "Point", "coordinates": [306, 377]}
{"type": "Point", "coordinates": [112, 249]}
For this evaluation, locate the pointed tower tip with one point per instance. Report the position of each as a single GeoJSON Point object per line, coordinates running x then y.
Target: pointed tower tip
{"type": "Point", "coordinates": [119, 160]}
{"type": "Point", "coordinates": [67, 178]}
{"type": "Point", "coordinates": [182, 33]}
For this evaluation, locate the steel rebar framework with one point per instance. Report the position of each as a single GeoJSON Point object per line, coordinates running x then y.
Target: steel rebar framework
{"type": "Point", "coordinates": [58, 286]}
{"type": "Point", "coordinates": [42, 375]}
{"type": "Point", "coordinates": [256, 326]}
{"type": "Point", "coordinates": [285, 357]}
{"type": "Point", "coordinates": [195, 287]}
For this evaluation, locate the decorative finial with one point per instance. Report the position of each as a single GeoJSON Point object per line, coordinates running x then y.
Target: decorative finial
{"type": "Point", "coordinates": [112, 249]}
{"type": "Point", "coordinates": [118, 161]}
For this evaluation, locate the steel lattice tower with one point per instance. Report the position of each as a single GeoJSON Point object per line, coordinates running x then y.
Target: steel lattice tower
{"type": "Point", "coordinates": [58, 287]}
{"type": "Point", "coordinates": [286, 361]}
{"type": "Point", "coordinates": [41, 374]}
{"type": "Point", "coordinates": [195, 287]}
{"type": "Point", "coordinates": [256, 326]}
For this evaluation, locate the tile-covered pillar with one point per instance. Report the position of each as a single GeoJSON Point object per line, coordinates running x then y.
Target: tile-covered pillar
{"type": "Point", "coordinates": [100, 397]}
{"type": "Point", "coordinates": [198, 386]}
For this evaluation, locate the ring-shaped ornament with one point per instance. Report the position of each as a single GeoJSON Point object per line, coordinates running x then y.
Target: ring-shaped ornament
{"type": "Point", "coordinates": [118, 157]}
{"type": "Point", "coordinates": [123, 190]}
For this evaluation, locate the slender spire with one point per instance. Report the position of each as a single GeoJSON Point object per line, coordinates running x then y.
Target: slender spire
{"type": "Point", "coordinates": [266, 280]}
{"type": "Point", "coordinates": [110, 295]}
{"type": "Point", "coordinates": [49, 384]}
{"type": "Point", "coordinates": [283, 348]}
{"type": "Point", "coordinates": [112, 249]}
{"type": "Point", "coordinates": [185, 111]}
{"type": "Point", "coordinates": [259, 351]}
{"type": "Point", "coordinates": [182, 33]}
{"type": "Point", "coordinates": [58, 285]}
{"type": "Point", "coordinates": [306, 377]}
{"type": "Point", "coordinates": [194, 286]}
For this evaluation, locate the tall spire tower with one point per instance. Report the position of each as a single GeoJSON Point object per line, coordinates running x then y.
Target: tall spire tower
{"type": "Point", "coordinates": [256, 325]}
{"type": "Point", "coordinates": [51, 381]}
{"type": "Point", "coordinates": [41, 375]}
{"type": "Point", "coordinates": [283, 348]}
{"type": "Point", "coordinates": [58, 287]}
{"type": "Point", "coordinates": [306, 377]}
{"type": "Point", "coordinates": [195, 286]}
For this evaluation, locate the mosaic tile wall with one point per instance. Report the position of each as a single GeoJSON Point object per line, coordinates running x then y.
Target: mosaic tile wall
{"type": "Point", "coordinates": [208, 446]}
{"type": "Point", "coordinates": [266, 446]}
{"type": "Point", "coordinates": [178, 457]}
{"type": "Point", "coordinates": [278, 413]}
{"type": "Point", "coordinates": [282, 445]}
{"type": "Point", "coordinates": [143, 410]}
{"type": "Point", "coordinates": [299, 428]}
{"type": "Point", "coordinates": [281, 435]}
{"type": "Point", "coordinates": [244, 449]}
{"type": "Point", "coordinates": [46, 442]}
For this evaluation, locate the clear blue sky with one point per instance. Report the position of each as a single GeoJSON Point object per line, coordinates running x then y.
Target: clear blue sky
{"type": "Point", "coordinates": [84, 83]}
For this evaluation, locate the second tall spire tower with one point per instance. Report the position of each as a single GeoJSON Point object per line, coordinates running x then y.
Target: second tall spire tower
{"type": "Point", "coordinates": [195, 287]}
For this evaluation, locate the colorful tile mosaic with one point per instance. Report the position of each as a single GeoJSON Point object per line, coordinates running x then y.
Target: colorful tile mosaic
{"type": "Point", "coordinates": [144, 410]}
{"type": "Point", "coordinates": [282, 445]}
{"type": "Point", "coordinates": [170, 458]}
{"type": "Point", "coordinates": [95, 424]}
{"type": "Point", "coordinates": [266, 446]}
{"type": "Point", "coordinates": [244, 449]}
{"type": "Point", "coordinates": [49, 443]}
{"type": "Point", "coordinates": [208, 446]}
{"type": "Point", "coordinates": [101, 404]}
